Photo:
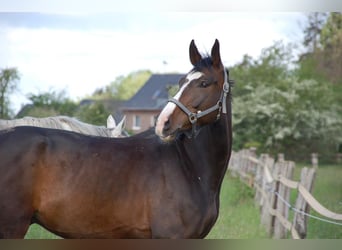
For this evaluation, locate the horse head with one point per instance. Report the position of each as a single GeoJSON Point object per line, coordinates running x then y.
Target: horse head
{"type": "Point", "coordinates": [200, 98]}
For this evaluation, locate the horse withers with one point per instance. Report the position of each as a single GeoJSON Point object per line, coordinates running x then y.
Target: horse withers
{"type": "Point", "coordinates": [162, 183]}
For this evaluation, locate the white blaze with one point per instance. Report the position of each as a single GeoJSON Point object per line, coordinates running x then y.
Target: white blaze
{"type": "Point", "coordinates": [170, 106]}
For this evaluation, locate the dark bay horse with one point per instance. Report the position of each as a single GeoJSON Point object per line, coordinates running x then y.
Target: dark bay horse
{"type": "Point", "coordinates": [157, 184]}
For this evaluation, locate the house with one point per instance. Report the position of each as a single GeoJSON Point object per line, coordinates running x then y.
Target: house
{"type": "Point", "coordinates": [143, 108]}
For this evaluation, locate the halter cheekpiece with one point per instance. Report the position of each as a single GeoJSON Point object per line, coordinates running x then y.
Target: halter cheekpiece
{"type": "Point", "coordinates": [193, 117]}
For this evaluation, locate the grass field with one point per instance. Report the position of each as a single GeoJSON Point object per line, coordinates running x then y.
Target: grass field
{"type": "Point", "coordinates": [240, 219]}
{"type": "Point", "coordinates": [37, 232]}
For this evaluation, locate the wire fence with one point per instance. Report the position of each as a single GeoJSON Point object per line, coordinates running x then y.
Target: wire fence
{"type": "Point", "coordinates": [273, 182]}
{"type": "Point", "coordinates": [302, 212]}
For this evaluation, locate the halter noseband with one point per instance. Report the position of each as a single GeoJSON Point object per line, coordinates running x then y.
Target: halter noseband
{"type": "Point", "coordinates": [220, 105]}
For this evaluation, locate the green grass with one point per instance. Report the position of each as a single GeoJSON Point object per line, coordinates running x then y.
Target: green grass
{"type": "Point", "coordinates": [37, 232]}
{"type": "Point", "coordinates": [239, 218]}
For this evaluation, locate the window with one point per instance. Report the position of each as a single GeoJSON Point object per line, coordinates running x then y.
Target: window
{"type": "Point", "coordinates": [136, 122]}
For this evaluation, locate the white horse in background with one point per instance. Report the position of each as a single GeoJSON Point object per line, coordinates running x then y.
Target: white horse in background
{"type": "Point", "coordinates": [70, 124]}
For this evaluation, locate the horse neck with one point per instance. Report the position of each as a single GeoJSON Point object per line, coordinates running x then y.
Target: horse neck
{"type": "Point", "coordinates": [209, 152]}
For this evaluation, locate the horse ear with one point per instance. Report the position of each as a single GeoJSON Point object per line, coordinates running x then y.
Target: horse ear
{"type": "Point", "coordinates": [117, 131]}
{"type": "Point", "coordinates": [195, 56]}
{"type": "Point", "coordinates": [111, 124]}
{"type": "Point", "coordinates": [215, 54]}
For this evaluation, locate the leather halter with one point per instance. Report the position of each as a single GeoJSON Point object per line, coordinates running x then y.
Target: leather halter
{"type": "Point", "coordinates": [193, 117]}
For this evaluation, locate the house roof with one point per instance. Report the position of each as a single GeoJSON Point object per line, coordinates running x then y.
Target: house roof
{"type": "Point", "coordinates": [153, 95]}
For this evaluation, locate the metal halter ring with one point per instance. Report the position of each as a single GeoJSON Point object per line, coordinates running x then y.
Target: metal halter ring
{"type": "Point", "coordinates": [226, 87]}
{"type": "Point", "coordinates": [193, 118]}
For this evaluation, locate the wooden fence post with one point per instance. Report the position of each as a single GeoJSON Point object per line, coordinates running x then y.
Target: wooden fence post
{"type": "Point", "coordinates": [269, 201]}
{"type": "Point", "coordinates": [242, 163]}
{"type": "Point", "coordinates": [233, 163]}
{"type": "Point", "coordinates": [273, 200]}
{"type": "Point", "coordinates": [286, 170]}
{"type": "Point", "coordinates": [314, 160]}
{"type": "Point", "coordinates": [251, 167]}
{"type": "Point", "coordinates": [281, 157]}
{"type": "Point", "coordinates": [300, 220]}
{"type": "Point", "coordinates": [338, 158]}
{"type": "Point", "coordinates": [265, 160]}
{"type": "Point", "coordinates": [259, 180]}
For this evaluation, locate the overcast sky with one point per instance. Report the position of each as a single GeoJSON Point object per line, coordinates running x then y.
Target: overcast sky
{"type": "Point", "coordinates": [80, 52]}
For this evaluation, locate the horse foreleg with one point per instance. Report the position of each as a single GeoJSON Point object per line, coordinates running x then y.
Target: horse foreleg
{"type": "Point", "coordinates": [13, 224]}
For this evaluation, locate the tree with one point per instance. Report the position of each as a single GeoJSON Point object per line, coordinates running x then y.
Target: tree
{"type": "Point", "coordinates": [123, 87]}
{"type": "Point", "coordinates": [54, 103]}
{"type": "Point", "coordinates": [8, 84]}
{"type": "Point", "coordinates": [330, 35]}
{"type": "Point", "coordinates": [95, 113]}
{"type": "Point", "coordinates": [312, 31]}
{"type": "Point", "coordinates": [272, 67]}
{"type": "Point", "coordinates": [323, 58]}
{"type": "Point", "coordinates": [302, 118]}
{"type": "Point", "coordinates": [331, 52]}
{"type": "Point", "coordinates": [276, 111]}
{"type": "Point", "coordinates": [49, 103]}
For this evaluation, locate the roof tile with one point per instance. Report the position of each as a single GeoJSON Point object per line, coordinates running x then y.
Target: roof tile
{"type": "Point", "coordinates": [153, 95]}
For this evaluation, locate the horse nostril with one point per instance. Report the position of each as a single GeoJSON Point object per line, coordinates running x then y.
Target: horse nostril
{"type": "Point", "coordinates": [167, 126]}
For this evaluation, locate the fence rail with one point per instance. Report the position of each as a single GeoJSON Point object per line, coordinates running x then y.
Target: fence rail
{"type": "Point", "coordinates": [273, 181]}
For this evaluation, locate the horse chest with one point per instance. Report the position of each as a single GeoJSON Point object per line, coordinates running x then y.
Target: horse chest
{"type": "Point", "coordinates": [203, 222]}
{"type": "Point", "coordinates": [188, 213]}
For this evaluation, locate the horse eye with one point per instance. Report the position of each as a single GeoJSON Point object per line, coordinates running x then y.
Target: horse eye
{"type": "Point", "coordinates": [204, 84]}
